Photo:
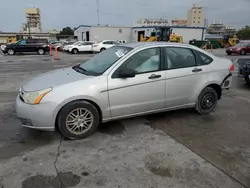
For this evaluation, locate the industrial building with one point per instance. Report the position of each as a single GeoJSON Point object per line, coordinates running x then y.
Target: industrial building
{"type": "Point", "coordinates": [179, 22]}
{"type": "Point", "coordinates": [196, 16]}
{"type": "Point", "coordinates": [98, 33]}
{"type": "Point", "coordinates": [188, 33]}
{"type": "Point", "coordinates": [33, 21]}
{"type": "Point", "coordinates": [219, 28]}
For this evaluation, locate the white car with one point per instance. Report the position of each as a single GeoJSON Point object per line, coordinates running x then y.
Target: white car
{"type": "Point", "coordinates": [81, 47]}
{"type": "Point", "coordinates": [103, 45]}
{"type": "Point", "coordinates": [66, 47]}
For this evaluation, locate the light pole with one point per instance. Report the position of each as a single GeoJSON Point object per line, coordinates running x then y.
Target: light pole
{"type": "Point", "coordinates": [97, 10]}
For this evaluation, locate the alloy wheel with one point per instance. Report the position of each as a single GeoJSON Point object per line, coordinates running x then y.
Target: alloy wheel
{"type": "Point", "coordinates": [79, 121]}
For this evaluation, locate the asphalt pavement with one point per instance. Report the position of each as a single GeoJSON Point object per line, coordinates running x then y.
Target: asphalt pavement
{"type": "Point", "coordinates": [175, 149]}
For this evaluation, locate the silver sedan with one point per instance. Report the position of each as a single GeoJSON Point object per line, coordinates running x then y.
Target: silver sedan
{"type": "Point", "coordinates": [123, 81]}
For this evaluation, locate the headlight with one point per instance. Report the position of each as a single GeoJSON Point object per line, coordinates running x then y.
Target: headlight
{"type": "Point", "coordinates": [35, 97]}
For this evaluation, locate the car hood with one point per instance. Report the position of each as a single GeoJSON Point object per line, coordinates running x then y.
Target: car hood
{"type": "Point", "coordinates": [54, 78]}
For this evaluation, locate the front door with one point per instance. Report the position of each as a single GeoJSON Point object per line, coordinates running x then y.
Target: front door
{"type": "Point", "coordinates": [184, 76]}
{"type": "Point", "coordinates": [87, 35]}
{"type": "Point", "coordinates": [143, 93]}
{"type": "Point", "coordinates": [21, 46]}
{"type": "Point", "coordinates": [85, 47]}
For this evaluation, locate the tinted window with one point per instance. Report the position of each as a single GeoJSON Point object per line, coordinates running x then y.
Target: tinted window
{"type": "Point", "coordinates": [107, 42]}
{"type": "Point", "coordinates": [22, 42]}
{"type": "Point", "coordinates": [202, 59]}
{"type": "Point", "coordinates": [144, 61]}
{"type": "Point", "coordinates": [179, 58]}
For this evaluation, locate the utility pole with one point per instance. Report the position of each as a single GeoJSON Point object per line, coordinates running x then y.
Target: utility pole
{"type": "Point", "coordinates": [98, 16]}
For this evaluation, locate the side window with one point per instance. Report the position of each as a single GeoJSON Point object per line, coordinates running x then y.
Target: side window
{"type": "Point", "coordinates": [177, 58]}
{"type": "Point", "coordinates": [23, 42]}
{"type": "Point", "coordinates": [144, 61]}
{"type": "Point", "coordinates": [202, 59]}
{"type": "Point", "coordinates": [107, 42]}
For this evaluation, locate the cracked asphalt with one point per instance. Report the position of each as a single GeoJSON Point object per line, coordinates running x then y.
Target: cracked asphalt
{"type": "Point", "coordinates": [179, 149]}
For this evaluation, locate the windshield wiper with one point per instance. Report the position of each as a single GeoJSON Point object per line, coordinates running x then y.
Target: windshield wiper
{"type": "Point", "coordinates": [78, 68]}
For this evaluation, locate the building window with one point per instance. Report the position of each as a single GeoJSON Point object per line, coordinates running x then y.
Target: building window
{"type": "Point", "coordinates": [194, 17]}
{"type": "Point", "coordinates": [194, 11]}
{"type": "Point", "coordinates": [199, 18]}
{"type": "Point", "coordinates": [199, 11]}
{"type": "Point", "coordinates": [198, 21]}
{"type": "Point", "coordinates": [193, 21]}
{"type": "Point", "coordinates": [120, 30]}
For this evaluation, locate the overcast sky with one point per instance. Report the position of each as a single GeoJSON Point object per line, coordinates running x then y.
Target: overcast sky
{"type": "Point", "coordinates": [60, 13]}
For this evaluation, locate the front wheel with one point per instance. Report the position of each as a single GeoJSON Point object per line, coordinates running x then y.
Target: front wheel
{"type": "Point", "coordinates": [75, 51]}
{"type": "Point", "coordinates": [207, 101]}
{"type": "Point", "coordinates": [243, 52]}
{"type": "Point", "coordinates": [11, 52]}
{"type": "Point", "coordinates": [40, 52]}
{"type": "Point", "coordinates": [229, 53]}
{"type": "Point", "coordinates": [78, 119]}
{"type": "Point", "coordinates": [102, 49]}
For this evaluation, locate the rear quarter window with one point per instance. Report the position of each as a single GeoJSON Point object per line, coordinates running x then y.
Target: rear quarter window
{"type": "Point", "coordinates": [202, 59]}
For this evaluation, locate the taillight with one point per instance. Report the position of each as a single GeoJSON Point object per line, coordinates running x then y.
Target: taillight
{"type": "Point", "coordinates": [231, 68]}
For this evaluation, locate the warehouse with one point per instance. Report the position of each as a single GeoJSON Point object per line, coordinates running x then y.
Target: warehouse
{"type": "Point", "coordinates": [188, 33]}
{"type": "Point", "coordinates": [99, 33]}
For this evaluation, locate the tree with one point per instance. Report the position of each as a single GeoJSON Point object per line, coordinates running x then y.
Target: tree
{"type": "Point", "coordinates": [244, 33]}
{"type": "Point", "coordinates": [67, 31]}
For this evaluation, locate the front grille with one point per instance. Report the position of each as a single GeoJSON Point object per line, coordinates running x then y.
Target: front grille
{"type": "Point", "coordinates": [25, 121]}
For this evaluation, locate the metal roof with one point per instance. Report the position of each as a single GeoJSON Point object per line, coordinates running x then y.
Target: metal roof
{"type": "Point", "coordinates": [148, 44]}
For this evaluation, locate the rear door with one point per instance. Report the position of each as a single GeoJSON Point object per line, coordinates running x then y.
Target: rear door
{"type": "Point", "coordinates": [85, 47]}
{"type": "Point", "coordinates": [184, 76]}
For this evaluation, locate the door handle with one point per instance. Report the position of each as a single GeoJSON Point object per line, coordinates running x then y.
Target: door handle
{"type": "Point", "coordinates": [197, 70]}
{"type": "Point", "coordinates": [154, 76]}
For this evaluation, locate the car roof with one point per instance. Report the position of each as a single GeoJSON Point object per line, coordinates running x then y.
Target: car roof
{"type": "Point", "coordinates": [155, 44]}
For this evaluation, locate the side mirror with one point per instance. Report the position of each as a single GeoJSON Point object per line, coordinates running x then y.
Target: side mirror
{"type": "Point", "coordinates": [126, 73]}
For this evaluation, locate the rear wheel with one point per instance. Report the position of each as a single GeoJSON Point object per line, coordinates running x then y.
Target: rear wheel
{"type": "Point", "coordinates": [40, 51]}
{"type": "Point", "coordinates": [75, 51]}
{"type": "Point", "coordinates": [229, 53]}
{"type": "Point", "coordinates": [11, 52]}
{"type": "Point", "coordinates": [78, 119]}
{"type": "Point", "coordinates": [207, 101]}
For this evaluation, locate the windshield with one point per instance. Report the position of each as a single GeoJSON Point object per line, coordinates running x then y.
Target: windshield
{"type": "Point", "coordinates": [101, 62]}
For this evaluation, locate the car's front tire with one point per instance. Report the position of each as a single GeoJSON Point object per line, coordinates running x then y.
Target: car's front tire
{"type": "Point", "coordinates": [78, 119]}
{"type": "Point", "coordinates": [41, 51]}
{"type": "Point", "coordinates": [102, 49]}
{"type": "Point", "coordinates": [207, 101]}
{"type": "Point", "coordinates": [229, 53]}
{"type": "Point", "coordinates": [75, 51]}
{"type": "Point", "coordinates": [242, 52]}
{"type": "Point", "coordinates": [11, 52]}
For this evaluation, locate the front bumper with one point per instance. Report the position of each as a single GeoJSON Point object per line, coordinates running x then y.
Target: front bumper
{"type": "Point", "coordinates": [36, 116]}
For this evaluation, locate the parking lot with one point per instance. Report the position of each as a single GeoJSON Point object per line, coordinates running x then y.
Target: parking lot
{"type": "Point", "coordinates": [174, 149]}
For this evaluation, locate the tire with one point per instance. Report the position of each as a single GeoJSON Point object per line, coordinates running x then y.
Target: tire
{"type": "Point", "coordinates": [242, 52]}
{"type": "Point", "coordinates": [102, 49]}
{"type": "Point", "coordinates": [247, 80]}
{"type": "Point", "coordinates": [11, 52]}
{"type": "Point", "coordinates": [207, 101]}
{"type": "Point", "coordinates": [75, 51]}
{"type": "Point", "coordinates": [40, 51]}
{"type": "Point", "coordinates": [228, 53]}
{"type": "Point", "coordinates": [69, 113]}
